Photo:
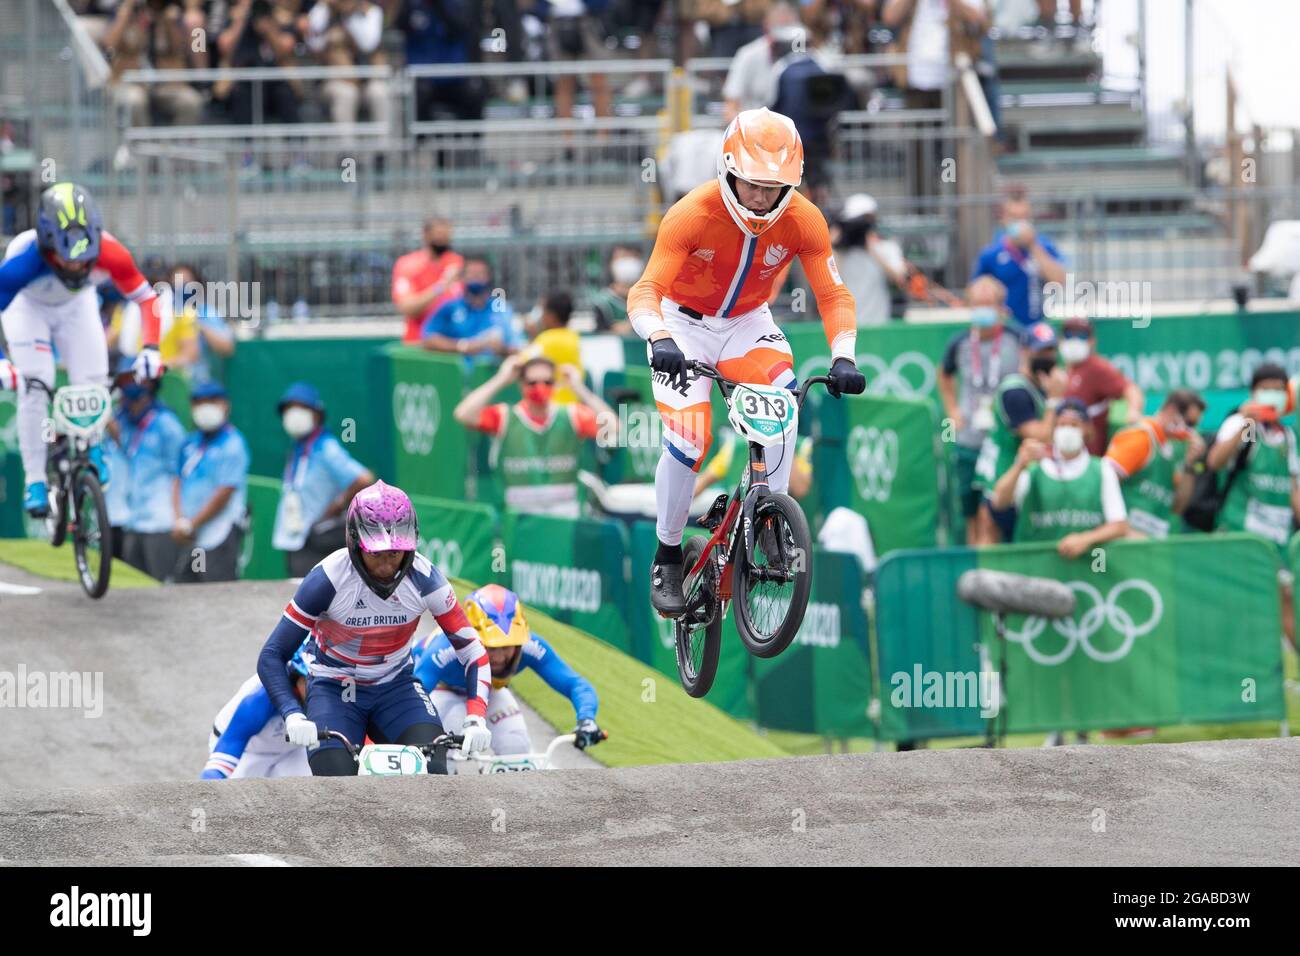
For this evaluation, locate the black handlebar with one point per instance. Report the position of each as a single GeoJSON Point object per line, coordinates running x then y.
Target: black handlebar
{"type": "Point", "coordinates": [708, 371]}
{"type": "Point", "coordinates": [450, 741]}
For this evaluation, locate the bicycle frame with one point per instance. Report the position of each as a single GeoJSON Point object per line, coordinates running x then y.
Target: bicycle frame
{"type": "Point", "coordinates": [750, 491]}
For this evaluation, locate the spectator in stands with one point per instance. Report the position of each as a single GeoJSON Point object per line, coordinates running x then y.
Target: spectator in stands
{"type": "Point", "coordinates": [216, 340]}
{"type": "Point", "coordinates": [609, 305]}
{"type": "Point", "coordinates": [974, 365]}
{"type": "Point", "coordinates": [211, 491]}
{"type": "Point", "coordinates": [1063, 493]}
{"type": "Point", "coordinates": [731, 23]}
{"type": "Point", "coordinates": [320, 478]}
{"type": "Point", "coordinates": [259, 35]}
{"type": "Point", "coordinates": [478, 324]}
{"type": "Point", "coordinates": [1096, 382]}
{"type": "Point", "coordinates": [537, 440]}
{"type": "Point", "coordinates": [1023, 407]}
{"type": "Point", "coordinates": [348, 33]}
{"type": "Point", "coordinates": [749, 78]}
{"type": "Point", "coordinates": [868, 263]}
{"type": "Point", "coordinates": [443, 32]}
{"type": "Point", "coordinates": [1255, 453]}
{"type": "Point", "coordinates": [428, 278]}
{"type": "Point", "coordinates": [931, 33]}
{"type": "Point", "coordinates": [150, 436]}
{"type": "Point", "coordinates": [557, 342]}
{"type": "Point", "coordinates": [1154, 460]}
{"type": "Point", "coordinates": [156, 35]}
{"type": "Point", "coordinates": [1021, 259]}
{"type": "Point", "coordinates": [575, 33]}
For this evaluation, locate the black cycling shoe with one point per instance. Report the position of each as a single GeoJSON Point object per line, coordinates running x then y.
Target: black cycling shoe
{"type": "Point", "coordinates": [666, 589]}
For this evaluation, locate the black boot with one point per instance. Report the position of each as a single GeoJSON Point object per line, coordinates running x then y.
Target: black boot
{"type": "Point", "coordinates": [666, 581]}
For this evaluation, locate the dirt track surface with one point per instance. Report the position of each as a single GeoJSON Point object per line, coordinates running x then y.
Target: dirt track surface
{"type": "Point", "coordinates": [121, 789]}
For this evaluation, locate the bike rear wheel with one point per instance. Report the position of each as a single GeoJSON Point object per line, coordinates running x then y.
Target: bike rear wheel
{"type": "Point", "coordinates": [771, 591]}
{"type": "Point", "coordinates": [92, 539]}
{"type": "Point", "coordinates": [698, 632]}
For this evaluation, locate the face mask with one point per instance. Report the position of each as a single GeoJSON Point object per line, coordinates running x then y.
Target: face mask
{"type": "Point", "coordinates": [1274, 398]}
{"type": "Point", "coordinates": [208, 416]}
{"type": "Point", "coordinates": [1016, 227]}
{"type": "Point", "coordinates": [1068, 440]}
{"type": "Point", "coordinates": [626, 271]}
{"type": "Point", "coordinates": [984, 317]}
{"type": "Point", "coordinates": [438, 248]}
{"type": "Point", "coordinates": [1075, 350]}
{"type": "Point", "coordinates": [539, 392]}
{"type": "Point", "coordinates": [298, 421]}
{"type": "Point", "coordinates": [476, 288]}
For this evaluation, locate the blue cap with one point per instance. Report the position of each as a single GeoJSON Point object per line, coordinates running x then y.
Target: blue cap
{"type": "Point", "coordinates": [1040, 335]}
{"type": "Point", "coordinates": [302, 393]}
{"type": "Point", "coordinates": [207, 390]}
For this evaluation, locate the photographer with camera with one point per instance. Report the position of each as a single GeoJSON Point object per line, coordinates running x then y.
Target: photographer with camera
{"type": "Point", "coordinates": [868, 263]}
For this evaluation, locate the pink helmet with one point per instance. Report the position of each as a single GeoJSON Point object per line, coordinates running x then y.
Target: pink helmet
{"type": "Point", "coordinates": [381, 518]}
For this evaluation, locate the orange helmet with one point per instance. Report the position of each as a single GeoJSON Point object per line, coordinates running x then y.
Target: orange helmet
{"type": "Point", "coordinates": [763, 148]}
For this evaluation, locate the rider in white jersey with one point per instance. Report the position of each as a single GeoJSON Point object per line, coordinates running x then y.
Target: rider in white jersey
{"type": "Point", "coordinates": [47, 294]}
{"type": "Point", "coordinates": [248, 735]}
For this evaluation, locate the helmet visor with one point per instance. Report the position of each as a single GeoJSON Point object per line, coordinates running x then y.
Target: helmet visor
{"type": "Point", "coordinates": [375, 534]}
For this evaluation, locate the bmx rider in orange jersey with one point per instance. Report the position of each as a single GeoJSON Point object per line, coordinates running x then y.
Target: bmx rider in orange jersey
{"type": "Point", "coordinates": [720, 251]}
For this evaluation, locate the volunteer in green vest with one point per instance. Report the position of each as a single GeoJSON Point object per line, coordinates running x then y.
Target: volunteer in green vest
{"type": "Point", "coordinates": [1063, 494]}
{"type": "Point", "coordinates": [1021, 410]}
{"type": "Point", "coordinates": [537, 440]}
{"type": "Point", "coordinates": [1255, 456]}
{"type": "Point", "coordinates": [1154, 459]}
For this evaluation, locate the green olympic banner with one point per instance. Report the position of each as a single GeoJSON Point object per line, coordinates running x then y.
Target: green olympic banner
{"type": "Point", "coordinates": [430, 449]}
{"type": "Point", "coordinates": [1165, 632]}
{"type": "Point", "coordinates": [887, 468]}
{"type": "Point", "coordinates": [572, 570]}
{"type": "Point", "coordinates": [459, 537]}
{"type": "Point", "coordinates": [259, 372]}
{"type": "Point", "coordinates": [257, 559]}
{"type": "Point", "coordinates": [822, 683]}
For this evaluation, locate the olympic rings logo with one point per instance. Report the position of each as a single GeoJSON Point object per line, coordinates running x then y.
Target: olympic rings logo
{"type": "Point", "coordinates": [445, 555]}
{"type": "Point", "coordinates": [907, 375]}
{"type": "Point", "coordinates": [1079, 631]}
{"type": "Point", "coordinates": [873, 459]}
{"type": "Point", "coordinates": [416, 411]}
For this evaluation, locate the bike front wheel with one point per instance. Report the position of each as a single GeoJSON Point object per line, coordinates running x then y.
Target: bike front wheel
{"type": "Point", "coordinates": [92, 534]}
{"type": "Point", "coordinates": [698, 632]}
{"type": "Point", "coordinates": [772, 584]}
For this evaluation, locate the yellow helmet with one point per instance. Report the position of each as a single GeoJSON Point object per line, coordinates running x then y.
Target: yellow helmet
{"type": "Point", "coordinates": [498, 616]}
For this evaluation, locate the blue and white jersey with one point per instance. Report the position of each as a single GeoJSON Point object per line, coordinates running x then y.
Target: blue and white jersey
{"type": "Point", "coordinates": [317, 471]}
{"type": "Point", "coordinates": [356, 635]}
{"type": "Point", "coordinates": [435, 668]}
{"type": "Point", "coordinates": [247, 725]}
{"type": "Point", "coordinates": [24, 271]}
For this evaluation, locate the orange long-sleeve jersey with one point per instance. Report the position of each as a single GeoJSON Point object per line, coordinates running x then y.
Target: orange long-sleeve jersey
{"type": "Point", "coordinates": [703, 260]}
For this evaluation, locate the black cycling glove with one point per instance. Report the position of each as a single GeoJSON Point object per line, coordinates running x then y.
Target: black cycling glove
{"type": "Point", "coordinates": [845, 378]}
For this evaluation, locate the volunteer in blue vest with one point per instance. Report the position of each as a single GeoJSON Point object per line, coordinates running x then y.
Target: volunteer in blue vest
{"type": "Point", "coordinates": [211, 491]}
{"type": "Point", "coordinates": [1255, 456]}
{"type": "Point", "coordinates": [1063, 493]}
{"type": "Point", "coordinates": [1021, 259]}
{"type": "Point", "coordinates": [150, 436]}
{"type": "Point", "coordinates": [320, 479]}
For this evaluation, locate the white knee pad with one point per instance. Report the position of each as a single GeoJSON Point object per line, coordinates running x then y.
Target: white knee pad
{"type": "Point", "coordinates": [506, 719]}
